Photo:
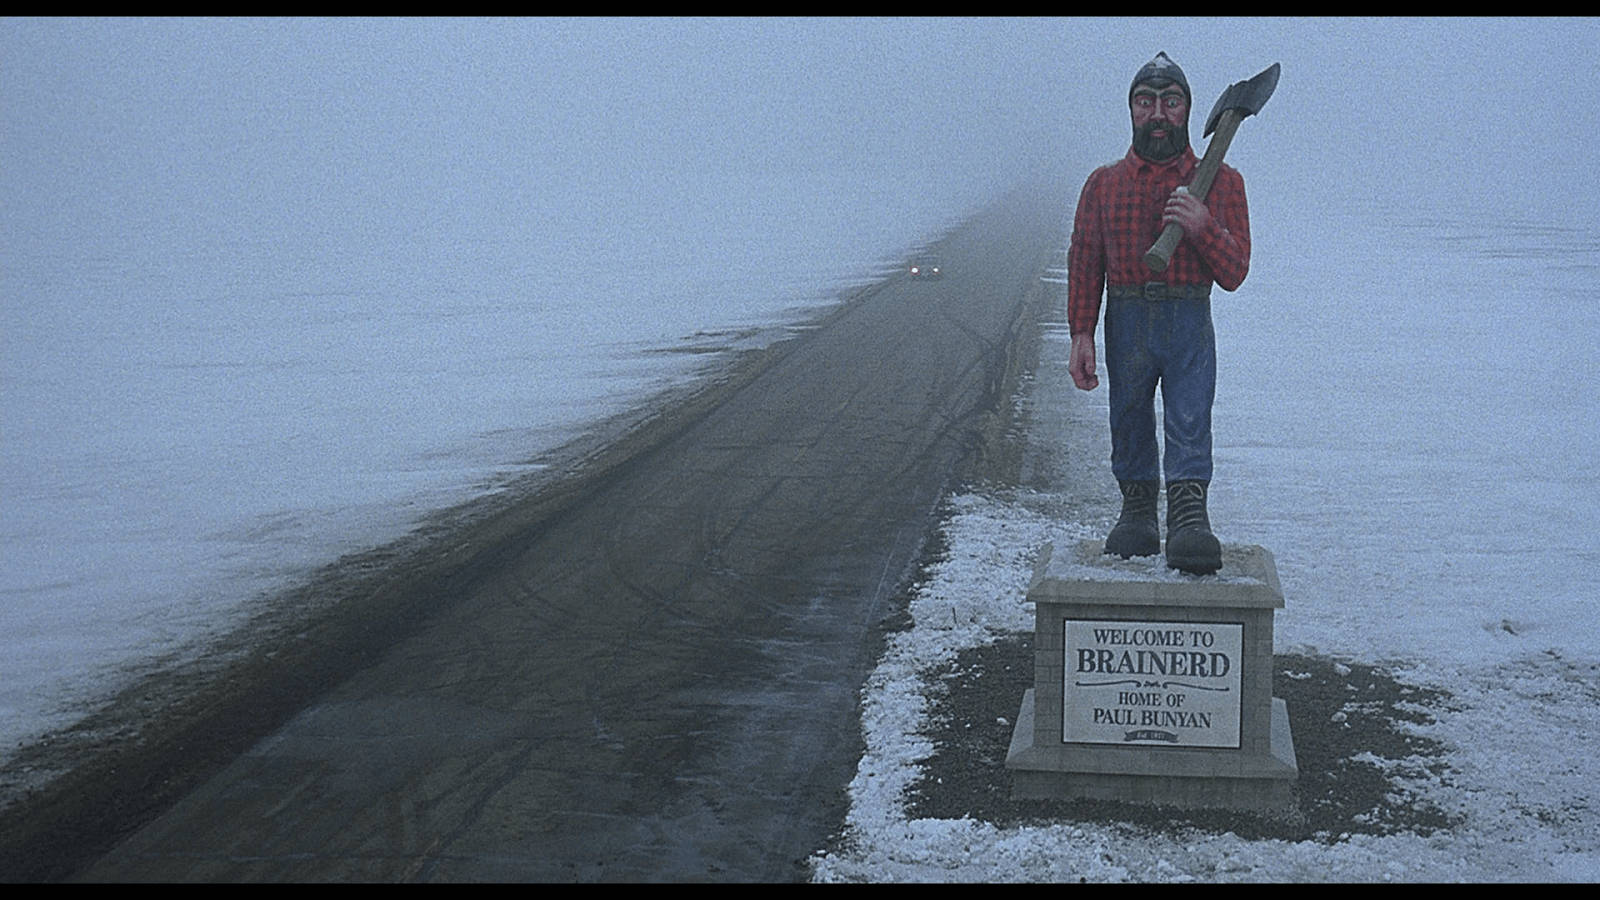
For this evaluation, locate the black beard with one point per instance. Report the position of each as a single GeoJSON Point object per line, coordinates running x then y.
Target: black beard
{"type": "Point", "coordinates": [1150, 148]}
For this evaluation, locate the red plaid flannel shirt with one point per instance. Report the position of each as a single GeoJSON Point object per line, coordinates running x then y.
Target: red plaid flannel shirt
{"type": "Point", "coordinates": [1119, 217]}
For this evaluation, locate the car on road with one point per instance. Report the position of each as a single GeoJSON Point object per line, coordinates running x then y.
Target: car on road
{"type": "Point", "coordinates": [927, 267]}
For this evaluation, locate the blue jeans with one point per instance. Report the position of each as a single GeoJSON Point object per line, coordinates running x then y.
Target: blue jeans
{"type": "Point", "coordinates": [1170, 342]}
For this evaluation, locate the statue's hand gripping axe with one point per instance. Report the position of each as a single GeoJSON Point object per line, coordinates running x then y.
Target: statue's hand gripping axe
{"type": "Point", "coordinates": [1241, 99]}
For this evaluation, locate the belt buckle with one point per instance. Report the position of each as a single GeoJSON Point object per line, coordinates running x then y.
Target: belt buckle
{"type": "Point", "coordinates": [1155, 290]}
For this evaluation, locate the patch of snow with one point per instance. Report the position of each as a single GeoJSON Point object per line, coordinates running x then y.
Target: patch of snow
{"type": "Point", "coordinates": [1523, 778]}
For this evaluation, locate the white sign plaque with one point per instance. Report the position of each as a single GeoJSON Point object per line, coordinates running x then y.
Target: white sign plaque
{"type": "Point", "coordinates": [1173, 684]}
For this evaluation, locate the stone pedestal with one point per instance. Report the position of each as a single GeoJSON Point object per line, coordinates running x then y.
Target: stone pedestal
{"type": "Point", "coordinates": [1153, 686]}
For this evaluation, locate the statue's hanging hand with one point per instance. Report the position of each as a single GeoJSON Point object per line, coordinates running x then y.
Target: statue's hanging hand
{"type": "Point", "coordinates": [1081, 362]}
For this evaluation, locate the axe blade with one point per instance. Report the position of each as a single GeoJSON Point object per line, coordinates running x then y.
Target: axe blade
{"type": "Point", "coordinates": [1246, 96]}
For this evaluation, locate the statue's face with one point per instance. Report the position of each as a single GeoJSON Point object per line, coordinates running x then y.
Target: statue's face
{"type": "Point", "coordinates": [1160, 121]}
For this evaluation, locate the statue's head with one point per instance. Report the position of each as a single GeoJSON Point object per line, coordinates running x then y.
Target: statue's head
{"type": "Point", "coordinates": [1158, 101]}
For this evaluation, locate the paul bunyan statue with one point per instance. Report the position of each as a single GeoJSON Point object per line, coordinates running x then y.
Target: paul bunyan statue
{"type": "Point", "coordinates": [1156, 279]}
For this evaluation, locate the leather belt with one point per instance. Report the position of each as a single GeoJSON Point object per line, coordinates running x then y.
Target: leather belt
{"type": "Point", "coordinates": [1158, 290]}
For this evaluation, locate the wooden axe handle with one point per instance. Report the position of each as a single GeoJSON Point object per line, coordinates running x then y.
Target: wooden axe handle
{"type": "Point", "coordinates": [1160, 253]}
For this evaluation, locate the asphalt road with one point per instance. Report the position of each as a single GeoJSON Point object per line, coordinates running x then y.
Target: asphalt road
{"type": "Point", "coordinates": [661, 681]}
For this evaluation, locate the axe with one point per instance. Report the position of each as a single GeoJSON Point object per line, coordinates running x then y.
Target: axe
{"type": "Point", "coordinates": [1241, 99]}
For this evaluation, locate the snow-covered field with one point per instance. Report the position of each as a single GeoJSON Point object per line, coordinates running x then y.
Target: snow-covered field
{"type": "Point", "coordinates": [1430, 512]}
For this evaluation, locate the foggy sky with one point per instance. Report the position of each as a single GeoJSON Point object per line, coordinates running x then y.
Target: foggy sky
{"type": "Point", "coordinates": [253, 127]}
